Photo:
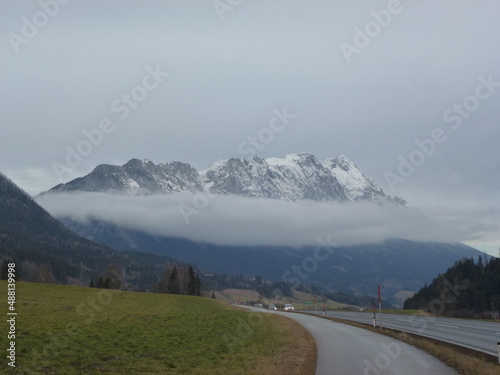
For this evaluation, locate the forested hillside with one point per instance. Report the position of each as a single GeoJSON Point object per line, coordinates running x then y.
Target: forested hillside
{"type": "Point", "coordinates": [468, 289]}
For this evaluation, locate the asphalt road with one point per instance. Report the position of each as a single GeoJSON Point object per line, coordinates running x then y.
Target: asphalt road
{"type": "Point", "coordinates": [348, 350]}
{"type": "Point", "coordinates": [477, 335]}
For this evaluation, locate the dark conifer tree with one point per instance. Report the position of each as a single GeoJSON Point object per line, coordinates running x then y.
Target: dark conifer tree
{"type": "Point", "coordinates": [173, 282]}
{"type": "Point", "coordinates": [192, 289]}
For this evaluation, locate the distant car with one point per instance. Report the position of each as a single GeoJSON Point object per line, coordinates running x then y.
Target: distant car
{"type": "Point", "coordinates": [288, 307]}
{"type": "Point", "coordinates": [258, 305]}
{"type": "Point", "coordinates": [272, 307]}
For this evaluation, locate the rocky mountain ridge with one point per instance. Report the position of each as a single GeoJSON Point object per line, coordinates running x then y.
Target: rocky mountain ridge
{"type": "Point", "coordinates": [295, 177]}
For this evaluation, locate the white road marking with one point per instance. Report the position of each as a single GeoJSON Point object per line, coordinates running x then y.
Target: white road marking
{"type": "Point", "coordinates": [446, 325]}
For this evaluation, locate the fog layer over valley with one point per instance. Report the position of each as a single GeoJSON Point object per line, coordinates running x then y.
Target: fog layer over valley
{"type": "Point", "coordinates": [231, 220]}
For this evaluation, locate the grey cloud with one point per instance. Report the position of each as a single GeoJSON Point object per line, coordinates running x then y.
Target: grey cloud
{"type": "Point", "coordinates": [229, 220]}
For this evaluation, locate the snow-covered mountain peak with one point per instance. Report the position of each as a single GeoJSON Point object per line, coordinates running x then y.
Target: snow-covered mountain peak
{"type": "Point", "coordinates": [137, 163]}
{"type": "Point", "coordinates": [300, 157]}
{"type": "Point", "coordinates": [295, 177]}
{"type": "Point", "coordinates": [343, 162]}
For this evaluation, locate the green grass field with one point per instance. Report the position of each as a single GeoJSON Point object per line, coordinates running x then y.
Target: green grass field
{"type": "Point", "coordinates": [72, 330]}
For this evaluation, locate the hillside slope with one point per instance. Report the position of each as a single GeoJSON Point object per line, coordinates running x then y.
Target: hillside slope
{"type": "Point", "coordinates": [46, 251]}
{"type": "Point", "coordinates": [466, 289]}
{"type": "Point", "coordinates": [395, 264]}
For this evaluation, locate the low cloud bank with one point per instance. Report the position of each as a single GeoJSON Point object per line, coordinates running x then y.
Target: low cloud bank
{"type": "Point", "coordinates": [230, 220]}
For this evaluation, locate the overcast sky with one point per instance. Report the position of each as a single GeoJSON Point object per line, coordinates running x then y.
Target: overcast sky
{"type": "Point", "coordinates": [193, 80]}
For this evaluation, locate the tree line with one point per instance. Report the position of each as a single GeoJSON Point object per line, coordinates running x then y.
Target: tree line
{"type": "Point", "coordinates": [180, 280]}
{"type": "Point", "coordinates": [467, 289]}
{"type": "Point", "coordinates": [176, 279]}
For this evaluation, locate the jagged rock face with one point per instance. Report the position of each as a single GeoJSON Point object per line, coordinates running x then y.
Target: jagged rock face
{"type": "Point", "coordinates": [137, 176]}
{"type": "Point", "coordinates": [295, 177]}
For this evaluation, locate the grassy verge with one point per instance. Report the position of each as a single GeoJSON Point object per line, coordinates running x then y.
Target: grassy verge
{"type": "Point", "coordinates": [71, 330]}
{"type": "Point", "coordinates": [465, 361]}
